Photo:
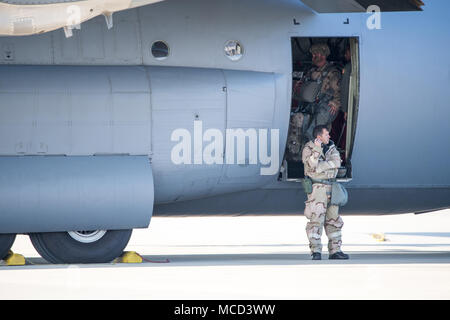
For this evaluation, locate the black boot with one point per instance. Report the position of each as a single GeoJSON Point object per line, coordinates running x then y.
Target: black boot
{"type": "Point", "coordinates": [316, 256]}
{"type": "Point", "coordinates": [339, 255]}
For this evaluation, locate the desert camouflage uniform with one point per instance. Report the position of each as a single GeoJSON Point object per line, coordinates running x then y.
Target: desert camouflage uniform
{"type": "Point", "coordinates": [317, 207]}
{"type": "Point", "coordinates": [330, 94]}
{"type": "Point", "coordinates": [331, 84]}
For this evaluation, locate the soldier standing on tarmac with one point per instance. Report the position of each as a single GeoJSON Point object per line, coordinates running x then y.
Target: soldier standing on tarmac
{"type": "Point", "coordinates": [321, 160]}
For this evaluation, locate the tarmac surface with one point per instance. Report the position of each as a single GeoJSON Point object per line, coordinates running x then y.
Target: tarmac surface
{"type": "Point", "coordinates": [391, 257]}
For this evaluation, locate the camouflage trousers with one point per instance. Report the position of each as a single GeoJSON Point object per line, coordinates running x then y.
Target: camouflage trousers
{"type": "Point", "coordinates": [294, 141]}
{"type": "Point", "coordinates": [321, 214]}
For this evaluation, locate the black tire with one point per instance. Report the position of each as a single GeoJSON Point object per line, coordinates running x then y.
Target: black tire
{"type": "Point", "coordinates": [6, 242]}
{"type": "Point", "coordinates": [60, 247]}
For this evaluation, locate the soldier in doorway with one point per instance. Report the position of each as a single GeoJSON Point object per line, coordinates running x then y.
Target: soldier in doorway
{"type": "Point", "coordinates": [327, 101]}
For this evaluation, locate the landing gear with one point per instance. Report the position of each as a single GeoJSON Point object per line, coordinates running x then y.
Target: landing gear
{"type": "Point", "coordinates": [98, 246]}
{"type": "Point", "coordinates": [6, 242]}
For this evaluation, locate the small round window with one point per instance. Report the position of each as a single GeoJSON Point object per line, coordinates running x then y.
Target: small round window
{"type": "Point", "coordinates": [234, 50]}
{"type": "Point", "coordinates": [160, 50]}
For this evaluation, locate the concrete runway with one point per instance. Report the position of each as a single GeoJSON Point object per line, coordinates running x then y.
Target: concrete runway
{"type": "Point", "coordinates": [253, 258]}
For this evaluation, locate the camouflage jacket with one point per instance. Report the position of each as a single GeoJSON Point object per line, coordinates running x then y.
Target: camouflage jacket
{"type": "Point", "coordinates": [331, 84]}
{"type": "Point", "coordinates": [319, 165]}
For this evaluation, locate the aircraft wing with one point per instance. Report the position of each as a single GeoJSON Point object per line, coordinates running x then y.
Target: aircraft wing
{"type": "Point", "coordinates": [339, 6]}
{"type": "Point", "coordinates": [27, 17]}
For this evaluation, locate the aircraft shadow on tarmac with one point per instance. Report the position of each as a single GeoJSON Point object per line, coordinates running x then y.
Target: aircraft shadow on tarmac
{"type": "Point", "coordinates": [386, 257]}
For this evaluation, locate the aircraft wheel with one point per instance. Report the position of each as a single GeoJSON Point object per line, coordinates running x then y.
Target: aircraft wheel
{"type": "Point", "coordinates": [98, 246]}
{"type": "Point", "coordinates": [6, 242]}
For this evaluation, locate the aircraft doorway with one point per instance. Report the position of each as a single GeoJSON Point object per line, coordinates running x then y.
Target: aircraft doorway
{"type": "Point", "coordinates": [343, 61]}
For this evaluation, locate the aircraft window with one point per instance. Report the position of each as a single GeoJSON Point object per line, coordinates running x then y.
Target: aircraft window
{"type": "Point", "coordinates": [160, 50]}
{"type": "Point", "coordinates": [234, 50]}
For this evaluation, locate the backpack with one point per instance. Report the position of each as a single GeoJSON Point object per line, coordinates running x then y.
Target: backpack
{"type": "Point", "coordinates": [311, 88]}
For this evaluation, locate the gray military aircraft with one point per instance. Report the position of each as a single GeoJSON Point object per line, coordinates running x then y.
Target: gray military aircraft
{"type": "Point", "coordinates": [112, 111]}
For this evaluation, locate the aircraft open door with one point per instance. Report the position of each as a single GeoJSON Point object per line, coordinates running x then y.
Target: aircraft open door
{"type": "Point", "coordinates": [344, 57]}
